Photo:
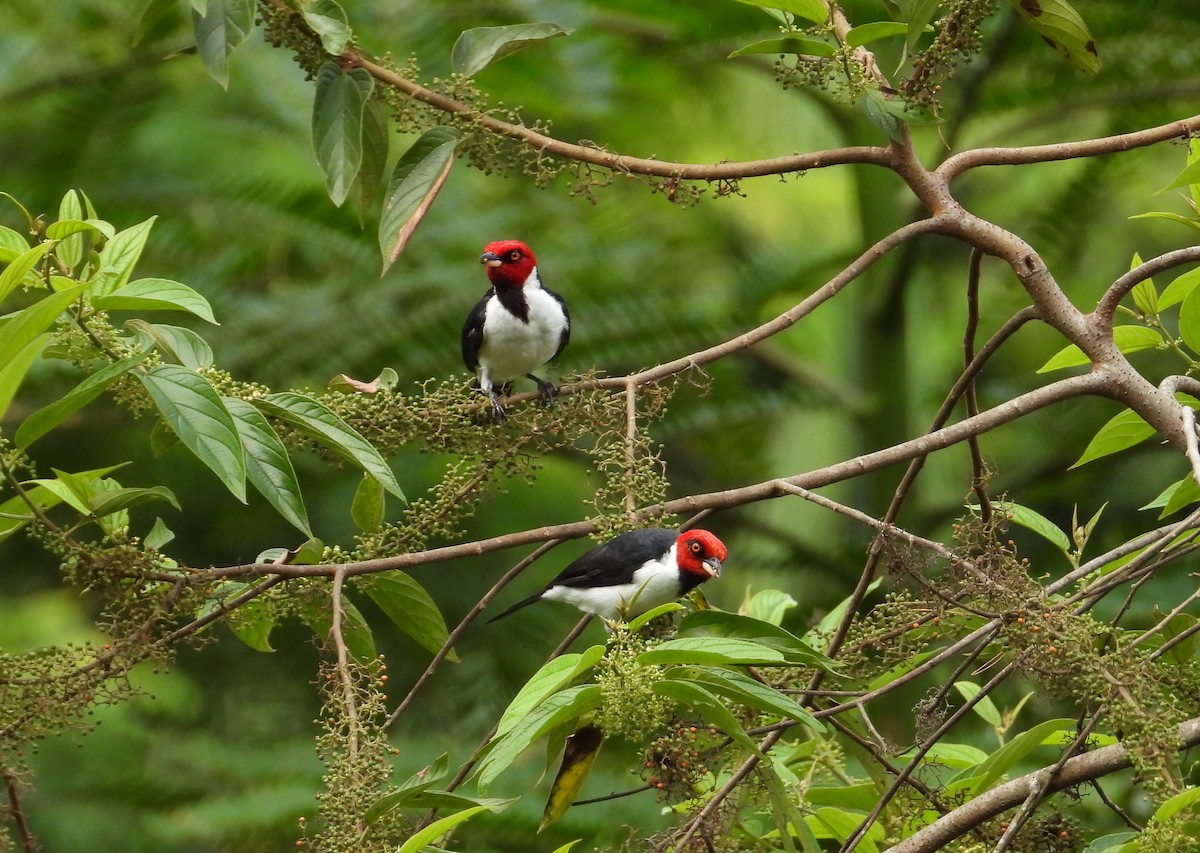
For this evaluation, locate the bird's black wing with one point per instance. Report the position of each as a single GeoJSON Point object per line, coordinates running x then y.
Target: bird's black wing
{"type": "Point", "coordinates": [472, 332]}
{"type": "Point", "coordinates": [614, 562]}
{"type": "Point", "coordinates": [566, 332]}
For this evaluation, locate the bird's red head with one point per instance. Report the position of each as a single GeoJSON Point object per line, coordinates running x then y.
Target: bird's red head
{"type": "Point", "coordinates": [509, 262]}
{"type": "Point", "coordinates": [700, 553]}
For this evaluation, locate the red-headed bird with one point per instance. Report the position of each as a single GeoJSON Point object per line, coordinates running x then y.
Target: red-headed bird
{"type": "Point", "coordinates": [634, 572]}
{"type": "Point", "coordinates": [516, 327]}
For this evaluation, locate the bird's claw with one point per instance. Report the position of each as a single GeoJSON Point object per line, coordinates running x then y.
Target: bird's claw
{"type": "Point", "coordinates": [499, 415]}
{"type": "Point", "coordinates": [548, 390]}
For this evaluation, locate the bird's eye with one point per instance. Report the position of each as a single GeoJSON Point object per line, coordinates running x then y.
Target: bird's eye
{"type": "Point", "coordinates": [514, 255]}
{"type": "Point", "coordinates": [696, 547]}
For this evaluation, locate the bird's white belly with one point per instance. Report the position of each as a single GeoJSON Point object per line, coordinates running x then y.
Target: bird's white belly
{"type": "Point", "coordinates": [512, 348]}
{"type": "Point", "coordinates": [653, 584]}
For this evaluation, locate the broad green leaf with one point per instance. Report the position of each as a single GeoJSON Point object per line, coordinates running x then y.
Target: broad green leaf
{"type": "Point", "coordinates": [156, 294]}
{"type": "Point", "coordinates": [812, 10]}
{"type": "Point", "coordinates": [1176, 496]}
{"type": "Point", "coordinates": [1172, 217]}
{"type": "Point", "coordinates": [1145, 294]}
{"type": "Point", "coordinates": [1127, 338]}
{"type": "Point", "coordinates": [1176, 804]}
{"type": "Point", "coordinates": [985, 707]}
{"type": "Point", "coordinates": [337, 126]}
{"type": "Point", "coordinates": [770, 606]}
{"type": "Point", "coordinates": [115, 500]}
{"type": "Point", "coordinates": [375, 139]}
{"type": "Point", "coordinates": [1035, 521]}
{"type": "Point", "coordinates": [315, 420]}
{"type": "Point", "coordinates": [889, 112]}
{"type": "Point", "coordinates": [861, 797]}
{"type": "Point", "coordinates": [747, 691]}
{"type": "Point", "coordinates": [47, 418]}
{"type": "Point", "coordinates": [918, 14]}
{"type": "Point", "coordinates": [328, 21]}
{"type": "Point", "coordinates": [355, 631]}
{"type": "Point", "coordinates": [158, 536]}
{"type": "Point", "coordinates": [13, 372]}
{"type": "Point", "coordinates": [644, 619]}
{"type": "Point", "coordinates": [1189, 320]}
{"type": "Point", "coordinates": [268, 465]}
{"type": "Point", "coordinates": [367, 509]}
{"type": "Point", "coordinates": [63, 490]}
{"type": "Point", "coordinates": [439, 828]}
{"type": "Point", "coordinates": [180, 345]}
{"type": "Point", "coordinates": [1178, 289]}
{"type": "Point", "coordinates": [957, 756]}
{"type": "Point", "coordinates": [1058, 23]}
{"type": "Point", "coordinates": [840, 825]}
{"type": "Point", "coordinates": [874, 31]}
{"type": "Point", "coordinates": [694, 697]}
{"type": "Point", "coordinates": [116, 522]}
{"type": "Point", "coordinates": [18, 331]}
{"type": "Point", "coordinates": [992, 767]}
{"type": "Point", "coordinates": [478, 48]}
{"type": "Point", "coordinates": [13, 512]}
{"type": "Point", "coordinates": [221, 27]}
{"type": "Point", "coordinates": [1122, 431]}
{"type": "Point", "coordinates": [454, 800]}
{"type": "Point", "coordinates": [716, 623]}
{"type": "Point", "coordinates": [122, 252]}
{"type": "Point", "coordinates": [416, 179]}
{"type": "Point", "coordinates": [1110, 843]}
{"type": "Point", "coordinates": [711, 650]}
{"type": "Point", "coordinates": [1185, 649]}
{"type": "Point", "coordinates": [12, 245]}
{"type": "Point", "coordinates": [553, 711]}
{"type": "Point", "coordinates": [410, 608]}
{"type": "Point", "coordinates": [566, 848]}
{"type": "Point", "coordinates": [252, 623]}
{"type": "Point", "coordinates": [15, 272]}
{"type": "Point", "coordinates": [794, 44]}
{"type": "Point", "coordinates": [194, 411]}
{"type": "Point", "coordinates": [553, 676]}
{"type": "Point", "coordinates": [64, 228]}
{"type": "Point", "coordinates": [71, 249]}
{"type": "Point", "coordinates": [579, 754]}
{"type": "Point", "coordinates": [833, 618]}
{"type": "Point", "coordinates": [310, 553]}
{"type": "Point", "coordinates": [414, 784]}
{"type": "Point", "coordinates": [1190, 175]}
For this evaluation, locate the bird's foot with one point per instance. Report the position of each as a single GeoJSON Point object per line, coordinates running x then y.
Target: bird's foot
{"type": "Point", "coordinates": [548, 390]}
{"type": "Point", "coordinates": [499, 415]}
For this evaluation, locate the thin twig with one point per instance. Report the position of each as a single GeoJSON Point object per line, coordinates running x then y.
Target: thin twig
{"type": "Point", "coordinates": [16, 812]}
{"type": "Point", "coordinates": [978, 469]}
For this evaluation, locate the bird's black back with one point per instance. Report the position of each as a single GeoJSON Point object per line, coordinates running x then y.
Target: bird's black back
{"type": "Point", "coordinates": [472, 332]}
{"type": "Point", "coordinates": [615, 561]}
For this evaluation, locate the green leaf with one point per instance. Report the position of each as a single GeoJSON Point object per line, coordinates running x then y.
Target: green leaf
{"type": "Point", "coordinates": [1035, 521]}
{"type": "Point", "coordinates": [337, 126]}
{"type": "Point", "coordinates": [833, 618]}
{"type": "Point", "coordinates": [45, 419]}
{"type": "Point", "coordinates": [770, 605]}
{"type": "Point", "coordinates": [410, 608]}
{"type": "Point", "coordinates": [1176, 496]}
{"type": "Point", "coordinates": [416, 179]}
{"type": "Point", "coordinates": [64, 228]}
{"type": "Point", "coordinates": [158, 536]}
{"type": "Point", "coordinates": [985, 707]}
{"type": "Point", "coordinates": [918, 14]}
{"type": "Point", "coordinates": [122, 252]}
{"type": "Point", "coordinates": [1185, 649]}
{"type": "Point", "coordinates": [17, 269]}
{"type": "Point", "coordinates": [644, 619]}
{"type": "Point", "coordinates": [439, 828]}
{"type": "Point", "coordinates": [874, 31]}
{"type": "Point", "coordinates": [70, 249]}
{"type": "Point", "coordinates": [252, 623]}
{"type": "Point", "coordinates": [369, 503]}
{"type": "Point", "coordinates": [355, 631]}
{"type": "Point", "coordinates": [1189, 320]}
{"type": "Point", "coordinates": [696, 698]}
{"type": "Point", "coordinates": [156, 294]}
{"type": "Point", "coordinates": [812, 10]}
{"type": "Point", "coordinates": [553, 711]}
{"type": "Point", "coordinates": [1176, 804]}
{"type": "Point", "coordinates": [223, 25]}
{"type": "Point", "coordinates": [194, 411]}
{"type": "Point", "coordinates": [1178, 289]}
{"type": "Point", "coordinates": [552, 677]}
{"type": "Point", "coordinates": [1190, 175]}
{"type": "Point", "coordinates": [18, 331]}
{"type": "Point", "coordinates": [1127, 338]}
{"type": "Point", "coordinates": [889, 112]}
{"type": "Point", "coordinates": [579, 753]}
{"type": "Point", "coordinates": [180, 345]}
{"type": "Point", "coordinates": [328, 20]}
{"type": "Point", "coordinates": [747, 691]}
{"type": "Point", "coordinates": [1058, 23]}
{"type": "Point", "coordinates": [14, 372]}
{"type": "Point", "coordinates": [993, 767]}
{"type": "Point", "coordinates": [716, 623]}
{"type": "Point", "coordinates": [268, 465]}
{"type": "Point", "coordinates": [478, 48]}
{"type": "Point", "coordinates": [793, 44]}
{"type": "Point", "coordinates": [711, 650]}
{"type": "Point", "coordinates": [115, 500]}
{"type": "Point", "coordinates": [13, 511]}
{"type": "Point", "coordinates": [375, 139]}
{"type": "Point", "coordinates": [1172, 217]}
{"type": "Point", "coordinates": [1145, 294]}
{"type": "Point", "coordinates": [413, 785]}
{"type": "Point", "coordinates": [316, 421]}
{"type": "Point", "coordinates": [1110, 843]}
{"type": "Point", "coordinates": [840, 825]}
{"type": "Point", "coordinates": [12, 244]}
{"type": "Point", "coordinates": [1121, 432]}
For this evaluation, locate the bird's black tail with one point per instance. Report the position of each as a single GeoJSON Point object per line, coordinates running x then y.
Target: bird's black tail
{"type": "Point", "coordinates": [525, 602]}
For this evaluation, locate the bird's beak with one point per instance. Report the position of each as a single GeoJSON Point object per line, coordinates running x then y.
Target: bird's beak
{"type": "Point", "coordinates": [713, 566]}
{"type": "Point", "coordinates": [490, 259]}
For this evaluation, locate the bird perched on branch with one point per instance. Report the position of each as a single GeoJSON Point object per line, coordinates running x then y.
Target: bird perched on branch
{"type": "Point", "coordinates": [635, 572]}
{"type": "Point", "coordinates": [516, 327]}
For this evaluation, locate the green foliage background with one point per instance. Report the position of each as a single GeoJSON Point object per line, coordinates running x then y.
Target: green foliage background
{"type": "Point", "coordinates": [221, 757]}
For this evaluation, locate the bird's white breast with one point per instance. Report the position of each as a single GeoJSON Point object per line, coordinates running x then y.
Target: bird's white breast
{"type": "Point", "coordinates": [654, 582]}
{"type": "Point", "coordinates": [512, 347]}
